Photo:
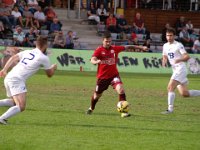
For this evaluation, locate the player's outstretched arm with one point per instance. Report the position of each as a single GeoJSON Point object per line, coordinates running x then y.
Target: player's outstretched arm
{"type": "Point", "coordinates": [142, 48]}
{"type": "Point", "coordinates": [50, 72]}
{"type": "Point", "coordinates": [9, 63]}
{"type": "Point", "coordinates": [95, 61]}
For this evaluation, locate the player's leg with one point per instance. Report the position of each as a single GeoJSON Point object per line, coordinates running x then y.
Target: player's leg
{"type": "Point", "coordinates": [171, 95]}
{"type": "Point", "coordinates": [20, 101]}
{"type": "Point", "coordinates": [102, 85]}
{"type": "Point", "coordinates": [7, 102]}
{"type": "Point", "coordinates": [183, 90]}
{"type": "Point", "coordinates": [120, 90]}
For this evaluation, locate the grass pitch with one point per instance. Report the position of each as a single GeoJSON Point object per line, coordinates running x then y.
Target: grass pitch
{"type": "Point", "coordinates": [55, 117]}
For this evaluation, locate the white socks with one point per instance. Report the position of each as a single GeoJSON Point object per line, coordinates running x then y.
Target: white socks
{"type": "Point", "coordinates": [171, 97]}
{"type": "Point", "coordinates": [7, 102]}
{"type": "Point", "coordinates": [10, 112]}
{"type": "Point", "coordinates": [194, 92]}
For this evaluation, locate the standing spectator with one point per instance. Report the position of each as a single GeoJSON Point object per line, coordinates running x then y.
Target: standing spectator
{"type": "Point", "coordinates": [19, 36]}
{"type": "Point", "coordinates": [111, 24]}
{"type": "Point", "coordinates": [59, 40]}
{"type": "Point", "coordinates": [28, 63]}
{"type": "Point", "coordinates": [92, 13]}
{"type": "Point", "coordinates": [17, 15]}
{"type": "Point", "coordinates": [30, 38]}
{"type": "Point", "coordinates": [28, 17]}
{"type": "Point", "coordinates": [69, 40]}
{"type": "Point", "coordinates": [196, 46]}
{"type": "Point", "coordinates": [39, 17]}
{"type": "Point", "coordinates": [175, 53]}
{"type": "Point", "coordinates": [138, 24]}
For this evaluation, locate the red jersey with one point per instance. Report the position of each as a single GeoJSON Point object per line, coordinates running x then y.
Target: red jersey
{"type": "Point", "coordinates": [109, 57]}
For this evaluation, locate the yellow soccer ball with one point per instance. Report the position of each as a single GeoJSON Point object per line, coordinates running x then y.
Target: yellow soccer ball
{"type": "Point", "coordinates": [123, 106]}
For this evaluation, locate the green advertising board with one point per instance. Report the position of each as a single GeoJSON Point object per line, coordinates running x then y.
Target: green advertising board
{"type": "Point", "coordinates": [133, 62]}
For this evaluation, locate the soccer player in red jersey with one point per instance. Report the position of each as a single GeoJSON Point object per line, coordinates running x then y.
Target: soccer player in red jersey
{"type": "Point", "coordinates": [106, 57]}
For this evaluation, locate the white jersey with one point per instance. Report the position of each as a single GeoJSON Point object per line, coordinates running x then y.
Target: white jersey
{"type": "Point", "coordinates": [174, 51]}
{"type": "Point", "coordinates": [30, 62]}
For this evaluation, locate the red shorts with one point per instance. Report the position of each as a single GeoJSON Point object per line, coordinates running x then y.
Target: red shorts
{"type": "Point", "coordinates": [103, 84]}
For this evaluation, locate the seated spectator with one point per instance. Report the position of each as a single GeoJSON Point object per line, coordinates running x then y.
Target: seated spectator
{"type": "Point", "coordinates": [69, 40]}
{"type": "Point", "coordinates": [133, 40]}
{"type": "Point", "coordinates": [17, 15]}
{"type": "Point", "coordinates": [122, 25]}
{"type": "Point", "coordinates": [184, 37]}
{"type": "Point", "coordinates": [180, 24]}
{"type": "Point", "coordinates": [19, 36]}
{"type": "Point", "coordinates": [2, 36]}
{"type": "Point", "coordinates": [50, 15]}
{"type": "Point", "coordinates": [55, 26]}
{"type": "Point", "coordinates": [196, 46]}
{"type": "Point", "coordinates": [111, 24]}
{"type": "Point", "coordinates": [189, 26]}
{"type": "Point", "coordinates": [102, 13]}
{"type": "Point", "coordinates": [59, 40]}
{"type": "Point", "coordinates": [28, 16]}
{"type": "Point", "coordinates": [32, 4]}
{"type": "Point", "coordinates": [92, 13]}
{"type": "Point", "coordinates": [6, 17]}
{"type": "Point", "coordinates": [43, 4]}
{"type": "Point", "coordinates": [9, 3]}
{"type": "Point", "coordinates": [30, 37]}
{"type": "Point", "coordinates": [138, 24]}
{"type": "Point", "coordinates": [39, 17]}
{"type": "Point", "coordinates": [167, 25]}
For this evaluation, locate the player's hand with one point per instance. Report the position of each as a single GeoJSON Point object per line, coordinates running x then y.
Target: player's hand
{"type": "Point", "coordinates": [144, 48]}
{"type": "Point", "coordinates": [177, 61]}
{"type": "Point", "coordinates": [54, 66]}
{"type": "Point", "coordinates": [3, 73]}
{"type": "Point", "coordinates": [98, 61]}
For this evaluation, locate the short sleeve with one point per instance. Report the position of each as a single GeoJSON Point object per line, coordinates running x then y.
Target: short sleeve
{"type": "Point", "coordinates": [181, 48]}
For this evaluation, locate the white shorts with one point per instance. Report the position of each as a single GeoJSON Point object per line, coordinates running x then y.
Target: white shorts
{"type": "Point", "coordinates": [14, 87]}
{"type": "Point", "coordinates": [180, 76]}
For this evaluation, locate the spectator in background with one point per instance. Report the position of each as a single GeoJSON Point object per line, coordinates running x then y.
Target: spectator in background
{"type": "Point", "coordinates": [133, 40]}
{"type": "Point", "coordinates": [15, 12]}
{"type": "Point", "coordinates": [180, 24]}
{"type": "Point", "coordinates": [6, 17]}
{"type": "Point", "coordinates": [59, 40]}
{"type": "Point", "coordinates": [2, 36]}
{"type": "Point", "coordinates": [30, 37]}
{"type": "Point", "coordinates": [19, 36]}
{"type": "Point", "coordinates": [102, 13]}
{"type": "Point", "coordinates": [55, 26]}
{"type": "Point", "coordinates": [122, 25]}
{"type": "Point", "coordinates": [9, 3]}
{"type": "Point", "coordinates": [111, 24]}
{"type": "Point", "coordinates": [28, 16]}
{"type": "Point", "coordinates": [43, 4]}
{"type": "Point", "coordinates": [39, 17]}
{"type": "Point", "coordinates": [32, 4]}
{"type": "Point", "coordinates": [196, 46]}
{"type": "Point", "coordinates": [50, 15]}
{"type": "Point", "coordinates": [92, 13]}
{"type": "Point", "coordinates": [167, 26]}
{"type": "Point", "coordinates": [138, 24]}
{"type": "Point", "coordinates": [184, 37]}
{"type": "Point", "coordinates": [69, 40]}
{"type": "Point", "coordinates": [189, 26]}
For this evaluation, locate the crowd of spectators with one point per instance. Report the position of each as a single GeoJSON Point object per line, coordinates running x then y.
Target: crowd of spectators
{"type": "Point", "coordinates": [23, 20]}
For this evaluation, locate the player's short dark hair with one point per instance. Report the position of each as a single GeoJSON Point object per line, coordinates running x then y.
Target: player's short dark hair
{"type": "Point", "coordinates": [171, 30]}
{"type": "Point", "coordinates": [41, 41]}
{"type": "Point", "coordinates": [107, 35]}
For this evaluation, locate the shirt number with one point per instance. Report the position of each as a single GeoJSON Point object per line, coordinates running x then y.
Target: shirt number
{"type": "Point", "coordinates": [31, 57]}
{"type": "Point", "coordinates": [171, 55]}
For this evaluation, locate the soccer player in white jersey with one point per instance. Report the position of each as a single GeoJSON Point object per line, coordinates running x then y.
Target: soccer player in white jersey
{"type": "Point", "coordinates": [177, 56]}
{"type": "Point", "coordinates": [29, 62]}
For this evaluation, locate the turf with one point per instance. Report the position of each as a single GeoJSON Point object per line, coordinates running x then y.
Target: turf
{"type": "Point", "coordinates": [55, 116]}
